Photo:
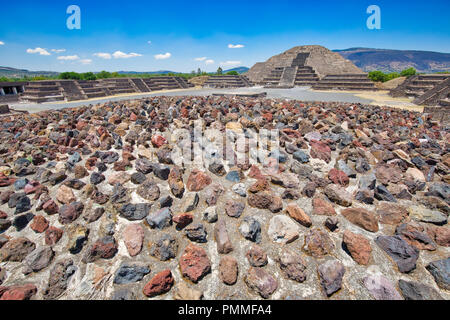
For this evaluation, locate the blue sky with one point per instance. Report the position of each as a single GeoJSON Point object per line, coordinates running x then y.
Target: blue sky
{"type": "Point", "coordinates": [115, 35]}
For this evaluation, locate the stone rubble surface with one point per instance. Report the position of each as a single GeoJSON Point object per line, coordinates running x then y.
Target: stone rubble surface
{"type": "Point", "coordinates": [349, 201]}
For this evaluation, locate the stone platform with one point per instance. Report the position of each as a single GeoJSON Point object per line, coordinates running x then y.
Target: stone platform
{"type": "Point", "coordinates": [73, 90]}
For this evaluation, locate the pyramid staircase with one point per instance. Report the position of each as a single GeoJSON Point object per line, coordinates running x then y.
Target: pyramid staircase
{"type": "Point", "coordinates": [345, 82]}
{"type": "Point", "coordinates": [227, 81]}
{"type": "Point", "coordinates": [416, 86]}
{"type": "Point", "coordinates": [73, 90]}
{"type": "Point", "coordinates": [306, 76]}
{"type": "Point", "coordinates": [274, 77]}
{"type": "Point", "coordinates": [93, 89]}
{"type": "Point", "coordinates": [43, 91]}
{"type": "Point", "coordinates": [298, 74]}
{"type": "Point", "coordinates": [140, 85]}
{"type": "Point", "coordinates": [119, 86]}
{"type": "Point", "coordinates": [437, 95]}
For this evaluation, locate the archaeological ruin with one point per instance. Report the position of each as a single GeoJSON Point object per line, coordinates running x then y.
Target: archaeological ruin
{"type": "Point", "coordinates": [429, 90]}
{"type": "Point", "coordinates": [72, 90]}
{"type": "Point", "coordinates": [314, 66]}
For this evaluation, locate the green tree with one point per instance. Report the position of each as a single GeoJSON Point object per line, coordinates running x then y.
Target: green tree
{"type": "Point", "coordinates": [88, 76]}
{"type": "Point", "coordinates": [70, 76]}
{"type": "Point", "coordinates": [103, 75]}
{"type": "Point", "coordinates": [408, 72]}
{"type": "Point", "coordinates": [232, 73]}
{"type": "Point", "coordinates": [219, 71]}
{"type": "Point", "coordinates": [377, 76]}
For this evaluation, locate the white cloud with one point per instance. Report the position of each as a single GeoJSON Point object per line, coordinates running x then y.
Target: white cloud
{"type": "Point", "coordinates": [149, 42]}
{"type": "Point", "coordinates": [231, 63]}
{"type": "Point", "coordinates": [86, 61]}
{"type": "Point", "coordinates": [69, 58]}
{"type": "Point", "coordinates": [163, 56]}
{"type": "Point", "coordinates": [41, 51]}
{"type": "Point", "coordinates": [200, 59]}
{"type": "Point", "coordinates": [58, 50]}
{"type": "Point", "coordinates": [2, 43]}
{"type": "Point", "coordinates": [236, 46]}
{"type": "Point", "coordinates": [103, 55]}
{"type": "Point", "coordinates": [122, 55]}
{"type": "Point", "coordinates": [209, 61]}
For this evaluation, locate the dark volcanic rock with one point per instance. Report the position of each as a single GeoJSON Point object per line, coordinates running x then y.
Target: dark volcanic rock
{"type": "Point", "coordinates": [135, 212]}
{"type": "Point", "coordinates": [418, 291]}
{"type": "Point", "coordinates": [129, 273]}
{"type": "Point", "coordinates": [250, 229]}
{"type": "Point", "coordinates": [38, 260]}
{"type": "Point", "coordinates": [440, 270]}
{"type": "Point", "coordinates": [196, 233]}
{"type": "Point", "coordinates": [403, 254]}
{"type": "Point", "coordinates": [16, 250]}
{"type": "Point", "coordinates": [58, 280]}
{"type": "Point", "coordinates": [165, 248]}
{"type": "Point", "coordinates": [160, 219]}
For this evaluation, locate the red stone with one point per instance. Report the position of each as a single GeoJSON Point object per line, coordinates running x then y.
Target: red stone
{"type": "Point", "coordinates": [198, 180]}
{"type": "Point", "coordinates": [299, 215]}
{"type": "Point", "coordinates": [40, 224]}
{"type": "Point", "coordinates": [320, 150]}
{"type": "Point", "coordinates": [53, 235]}
{"type": "Point", "coordinates": [268, 116]}
{"type": "Point", "coordinates": [32, 187]}
{"type": "Point", "coordinates": [182, 220]}
{"type": "Point", "coordinates": [358, 246]}
{"type": "Point", "coordinates": [322, 207]}
{"type": "Point", "coordinates": [81, 125]}
{"type": "Point", "coordinates": [261, 185]}
{"type": "Point", "coordinates": [440, 234]}
{"type": "Point", "coordinates": [338, 177]}
{"type": "Point", "coordinates": [5, 181]}
{"type": "Point", "coordinates": [255, 173]}
{"type": "Point", "coordinates": [3, 215]}
{"type": "Point", "coordinates": [194, 263]}
{"type": "Point", "coordinates": [50, 207]}
{"type": "Point", "coordinates": [160, 284]}
{"type": "Point", "coordinates": [228, 270]}
{"type": "Point", "coordinates": [158, 141]}
{"type": "Point", "coordinates": [105, 248]}
{"type": "Point", "coordinates": [362, 218]}
{"type": "Point", "coordinates": [24, 292]}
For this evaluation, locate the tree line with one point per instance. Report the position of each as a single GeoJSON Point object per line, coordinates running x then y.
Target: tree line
{"type": "Point", "coordinates": [107, 75]}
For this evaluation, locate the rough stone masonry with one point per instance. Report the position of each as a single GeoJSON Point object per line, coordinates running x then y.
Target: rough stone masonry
{"type": "Point", "coordinates": [347, 201]}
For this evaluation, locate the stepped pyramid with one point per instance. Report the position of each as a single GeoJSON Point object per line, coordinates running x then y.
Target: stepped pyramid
{"type": "Point", "coordinates": [308, 66]}
{"type": "Point", "coordinates": [73, 90]}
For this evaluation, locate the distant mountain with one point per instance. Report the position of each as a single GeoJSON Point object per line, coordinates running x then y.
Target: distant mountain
{"type": "Point", "coordinates": [239, 70]}
{"type": "Point", "coordinates": [20, 73]}
{"type": "Point", "coordinates": [387, 60]}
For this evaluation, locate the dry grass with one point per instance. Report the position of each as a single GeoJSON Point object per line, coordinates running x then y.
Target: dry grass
{"type": "Point", "coordinates": [199, 81]}
{"type": "Point", "coordinates": [391, 84]}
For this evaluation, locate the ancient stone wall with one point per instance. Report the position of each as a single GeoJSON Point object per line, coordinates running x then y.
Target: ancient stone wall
{"type": "Point", "coordinates": [321, 59]}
